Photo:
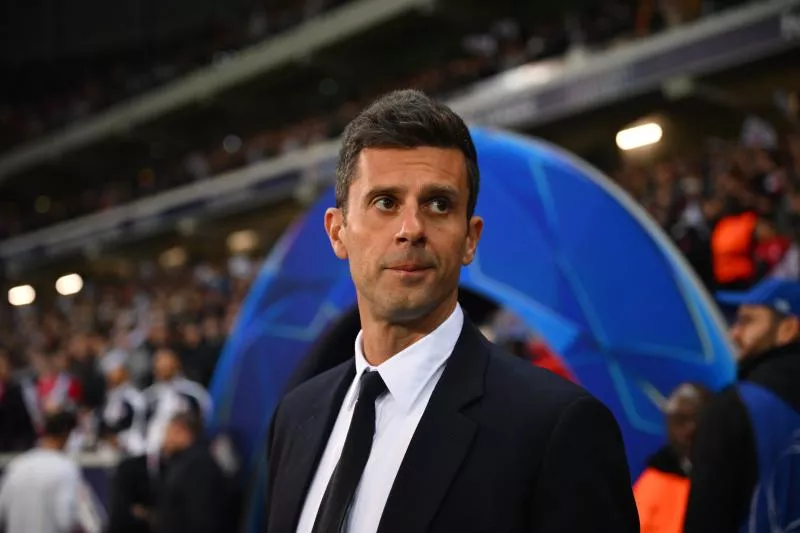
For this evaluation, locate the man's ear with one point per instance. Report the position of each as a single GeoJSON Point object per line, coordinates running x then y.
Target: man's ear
{"type": "Point", "coordinates": [788, 329]}
{"type": "Point", "coordinates": [334, 224]}
{"type": "Point", "coordinates": [474, 230]}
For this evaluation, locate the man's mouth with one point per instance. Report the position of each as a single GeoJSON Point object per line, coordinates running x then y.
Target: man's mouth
{"type": "Point", "coordinates": [409, 267]}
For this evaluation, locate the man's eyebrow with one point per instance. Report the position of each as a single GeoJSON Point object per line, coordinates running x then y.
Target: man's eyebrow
{"type": "Point", "coordinates": [432, 191]}
{"type": "Point", "coordinates": [384, 191]}
{"type": "Point", "coordinates": [427, 192]}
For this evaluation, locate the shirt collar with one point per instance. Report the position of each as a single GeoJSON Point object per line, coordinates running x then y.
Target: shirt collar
{"type": "Point", "coordinates": [407, 372]}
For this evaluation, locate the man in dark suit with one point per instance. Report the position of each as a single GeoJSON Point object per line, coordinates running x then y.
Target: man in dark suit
{"type": "Point", "coordinates": [133, 497]}
{"type": "Point", "coordinates": [192, 493]}
{"type": "Point", "coordinates": [17, 433]}
{"type": "Point", "coordinates": [427, 427]}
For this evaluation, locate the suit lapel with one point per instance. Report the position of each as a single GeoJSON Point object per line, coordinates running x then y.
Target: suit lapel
{"type": "Point", "coordinates": [308, 441]}
{"type": "Point", "coordinates": [441, 441]}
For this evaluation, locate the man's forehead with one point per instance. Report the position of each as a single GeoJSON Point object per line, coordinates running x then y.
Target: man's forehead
{"type": "Point", "coordinates": [402, 166]}
{"type": "Point", "coordinates": [754, 310]}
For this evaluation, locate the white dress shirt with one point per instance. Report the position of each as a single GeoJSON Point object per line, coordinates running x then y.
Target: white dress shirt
{"type": "Point", "coordinates": [410, 378]}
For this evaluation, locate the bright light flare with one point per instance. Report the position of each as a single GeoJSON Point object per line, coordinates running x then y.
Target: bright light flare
{"type": "Point", "coordinates": [69, 284]}
{"type": "Point", "coordinates": [639, 136]}
{"type": "Point", "coordinates": [21, 295]}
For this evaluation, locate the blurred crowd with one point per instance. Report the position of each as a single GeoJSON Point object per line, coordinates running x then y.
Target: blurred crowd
{"type": "Point", "coordinates": [123, 355]}
{"type": "Point", "coordinates": [735, 211]}
{"type": "Point", "coordinates": [503, 45]}
{"type": "Point", "coordinates": [120, 371]}
{"type": "Point", "coordinates": [102, 85]}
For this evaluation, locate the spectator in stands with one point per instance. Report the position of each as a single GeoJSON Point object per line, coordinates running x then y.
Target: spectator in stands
{"type": "Point", "coordinates": [197, 356]}
{"type": "Point", "coordinates": [746, 430]}
{"type": "Point", "coordinates": [16, 428]}
{"type": "Point", "coordinates": [84, 367]}
{"type": "Point", "coordinates": [132, 496]}
{"type": "Point", "coordinates": [771, 249]}
{"type": "Point", "coordinates": [663, 488]}
{"type": "Point", "coordinates": [171, 394]}
{"type": "Point", "coordinates": [212, 332]}
{"type": "Point", "coordinates": [692, 229]}
{"type": "Point", "coordinates": [192, 494]}
{"type": "Point", "coordinates": [141, 360]}
{"type": "Point", "coordinates": [57, 389]}
{"type": "Point", "coordinates": [124, 417]}
{"type": "Point", "coordinates": [43, 491]}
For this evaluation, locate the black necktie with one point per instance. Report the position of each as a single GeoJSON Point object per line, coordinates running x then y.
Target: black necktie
{"type": "Point", "coordinates": [342, 485]}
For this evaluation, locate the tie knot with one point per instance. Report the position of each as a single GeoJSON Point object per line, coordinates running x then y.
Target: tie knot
{"type": "Point", "coordinates": [372, 386]}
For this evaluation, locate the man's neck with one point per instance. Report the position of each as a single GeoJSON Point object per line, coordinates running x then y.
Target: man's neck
{"type": "Point", "coordinates": [382, 340]}
{"type": "Point", "coordinates": [49, 443]}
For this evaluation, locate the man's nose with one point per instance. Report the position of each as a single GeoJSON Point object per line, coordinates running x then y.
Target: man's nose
{"type": "Point", "coordinates": [412, 226]}
{"type": "Point", "coordinates": [735, 333]}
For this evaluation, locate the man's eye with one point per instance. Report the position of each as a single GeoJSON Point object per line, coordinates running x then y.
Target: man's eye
{"type": "Point", "coordinates": [384, 204]}
{"type": "Point", "coordinates": [440, 205]}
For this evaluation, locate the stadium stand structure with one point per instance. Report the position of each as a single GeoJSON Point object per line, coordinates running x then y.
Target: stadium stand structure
{"type": "Point", "coordinates": [677, 65]}
{"type": "Point", "coordinates": [129, 152]}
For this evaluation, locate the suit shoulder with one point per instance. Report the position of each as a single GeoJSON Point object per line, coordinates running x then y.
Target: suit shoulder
{"type": "Point", "coordinates": [301, 395]}
{"type": "Point", "coordinates": [131, 466]}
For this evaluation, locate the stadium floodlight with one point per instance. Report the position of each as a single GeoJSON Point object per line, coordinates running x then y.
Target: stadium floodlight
{"type": "Point", "coordinates": [69, 284]}
{"type": "Point", "coordinates": [174, 257]}
{"type": "Point", "coordinates": [639, 136]}
{"type": "Point", "coordinates": [21, 295]}
{"type": "Point", "coordinates": [242, 241]}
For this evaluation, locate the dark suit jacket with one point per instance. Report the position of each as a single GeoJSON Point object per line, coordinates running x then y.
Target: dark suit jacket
{"type": "Point", "coordinates": [192, 496]}
{"type": "Point", "coordinates": [502, 446]}
{"type": "Point", "coordinates": [131, 485]}
{"type": "Point", "coordinates": [17, 433]}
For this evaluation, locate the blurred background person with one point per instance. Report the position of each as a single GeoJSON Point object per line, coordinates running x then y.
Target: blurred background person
{"type": "Point", "coordinates": [171, 394]}
{"type": "Point", "coordinates": [662, 491]}
{"type": "Point", "coordinates": [43, 490]}
{"type": "Point", "coordinates": [132, 494]}
{"type": "Point", "coordinates": [57, 389]}
{"type": "Point", "coordinates": [198, 355]}
{"type": "Point", "coordinates": [507, 330]}
{"type": "Point", "coordinates": [748, 426]}
{"type": "Point", "coordinates": [192, 493]}
{"type": "Point", "coordinates": [776, 254]}
{"type": "Point", "coordinates": [124, 417]}
{"type": "Point", "coordinates": [16, 428]}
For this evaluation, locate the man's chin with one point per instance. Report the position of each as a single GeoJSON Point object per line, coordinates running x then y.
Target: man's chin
{"type": "Point", "coordinates": [408, 310]}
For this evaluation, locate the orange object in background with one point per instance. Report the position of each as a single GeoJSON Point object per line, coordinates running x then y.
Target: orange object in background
{"type": "Point", "coordinates": [732, 248]}
{"type": "Point", "coordinates": [661, 499]}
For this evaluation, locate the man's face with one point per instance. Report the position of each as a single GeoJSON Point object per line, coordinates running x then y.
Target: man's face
{"type": "Point", "coordinates": [758, 329]}
{"type": "Point", "coordinates": [192, 335]}
{"type": "Point", "coordinates": [405, 231]}
{"type": "Point", "coordinates": [158, 334]}
{"type": "Point", "coordinates": [166, 365]}
{"type": "Point", "coordinates": [682, 425]}
{"type": "Point", "coordinates": [177, 438]}
{"type": "Point", "coordinates": [117, 377]}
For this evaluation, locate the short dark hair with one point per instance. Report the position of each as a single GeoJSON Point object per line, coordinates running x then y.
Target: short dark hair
{"type": "Point", "coordinates": [190, 421]}
{"type": "Point", "coordinates": [405, 119]}
{"type": "Point", "coordinates": [60, 424]}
